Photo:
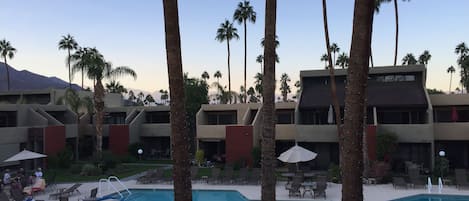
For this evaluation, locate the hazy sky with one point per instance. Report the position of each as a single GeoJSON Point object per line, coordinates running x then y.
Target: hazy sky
{"type": "Point", "coordinates": [131, 33]}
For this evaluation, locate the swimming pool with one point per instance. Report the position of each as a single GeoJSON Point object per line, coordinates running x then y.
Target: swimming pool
{"type": "Point", "coordinates": [197, 195]}
{"type": "Point", "coordinates": [427, 197]}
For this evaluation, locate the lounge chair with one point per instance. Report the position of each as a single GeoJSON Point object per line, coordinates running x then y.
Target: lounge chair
{"type": "Point", "coordinates": [228, 175]}
{"type": "Point", "coordinates": [67, 192]}
{"type": "Point", "coordinates": [147, 177]}
{"type": "Point", "coordinates": [242, 177]}
{"type": "Point", "coordinates": [93, 194]}
{"type": "Point", "coordinates": [215, 177]}
{"type": "Point", "coordinates": [255, 176]}
{"type": "Point", "coordinates": [415, 178]}
{"type": "Point", "coordinates": [461, 179]}
{"type": "Point", "coordinates": [399, 182]}
{"type": "Point", "coordinates": [38, 186]}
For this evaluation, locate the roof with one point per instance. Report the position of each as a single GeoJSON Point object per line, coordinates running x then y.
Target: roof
{"type": "Point", "coordinates": [375, 70]}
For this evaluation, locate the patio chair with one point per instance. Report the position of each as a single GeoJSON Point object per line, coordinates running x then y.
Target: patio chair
{"type": "Point", "coordinates": [399, 182]}
{"type": "Point", "coordinates": [194, 173]}
{"type": "Point", "coordinates": [147, 176]}
{"type": "Point", "coordinates": [320, 189]}
{"type": "Point", "coordinates": [93, 194]}
{"type": "Point", "coordinates": [461, 179]}
{"type": "Point", "coordinates": [294, 188]}
{"type": "Point", "coordinates": [415, 178]}
{"type": "Point", "coordinates": [66, 192]}
{"type": "Point", "coordinates": [243, 176]}
{"type": "Point", "coordinates": [215, 177]}
{"type": "Point", "coordinates": [255, 176]}
{"type": "Point", "coordinates": [228, 175]}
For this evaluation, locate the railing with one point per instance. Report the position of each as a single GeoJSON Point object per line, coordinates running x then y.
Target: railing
{"type": "Point", "coordinates": [110, 185]}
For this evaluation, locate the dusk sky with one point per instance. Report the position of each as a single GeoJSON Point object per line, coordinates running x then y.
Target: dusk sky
{"type": "Point", "coordinates": [131, 33]}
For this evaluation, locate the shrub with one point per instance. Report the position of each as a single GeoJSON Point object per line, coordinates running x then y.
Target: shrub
{"type": "Point", "coordinates": [199, 157]}
{"type": "Point", "coordinates": [334, 173]}
{"type": "Point", "coordinates": [386, 145]}
{"type": "Point", "coordinates": [256, 156]}
{"type": "Point", "coordinates": [75, 168]}
{"type": "Point", "coordinates": [441, 167]}
{"type": "Point", "coordinates": [109, 161]}
{"type": "Point", "coordinates": [127, 158]}
{"type": "Point", "coordinates": [52, 162]}
{"type": "Point", "coordinates": [90, 170]}
{"type": "Point", "coordinates": [65, 158]}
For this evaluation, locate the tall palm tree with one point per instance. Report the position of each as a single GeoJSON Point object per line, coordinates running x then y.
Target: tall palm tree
{"type": "Point", "coordinates": [97, 68]}
{"type": "Point", "coordinates": [115, 87]}
{"type": "Point", "coordinates": [164, 96]}
{"type": "Point", "coordinates": [325, 59]}
{"type": "Point", "coordinates": [334, 49]}
{"type": "Point", "coordinates": [243, 13]}
{"type": "Point", "coordinates": [149, 99]}
{"type": "Point", "coordinates": [140, 98]}
{"type": "Point", "coordinates": [354, 113]}
{"type": "Point", "coordinates": [450, 70]}
{"type": "Point", "coordinates": [409, 59]}
{"type": "Point", "coordinates": [462, 50]}
{"type": "Point", "coordinates": [7, 52]}
{"type": "Point", "coordinates": [424, 57]}
{"type": "Point", "coordinates": [251, 93]}
{"type": "Point", "coordinates": [258, 85]}
{"type": "Point", "coordinates": [217, 75]}
{"type": "Point", "coordinates": [131, 96]}
{"type": "Point", "coordinates": [463, 61]}
{"type": "Point", "coordinates": [277, 44]}
{"type": "Point", "coordinates": [80, 66]}
{"type": "Point", "coordinates": [342, 60]}
{"type": "Point", "coordinates": [179, 133]}
{"type": "Point", "coordinates": [227, 32]}
{"type": "Point", "coordinates": [268, 109]}
{"type": "Point", "coordinates": [284, 87]}
{"type": "Point", "coordinates": [260, 60]}
{"type": "Point", "coordinates": [75, 103]}
{"type": "Point", "coordinates": [205, 76]}
{"type": "Point", "coordinates": [68, 43]}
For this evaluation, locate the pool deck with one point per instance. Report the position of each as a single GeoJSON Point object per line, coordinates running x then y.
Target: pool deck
{"type": "Point", "coordinates": [382, 192]}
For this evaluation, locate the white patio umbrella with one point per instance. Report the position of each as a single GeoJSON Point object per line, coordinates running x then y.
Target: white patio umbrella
{"type": "Point", "coordinates": [297, 154]}
{"type": "Point", "coordinates": [330, 115]}
{"type": "Point", "coordinates": [25, 155]}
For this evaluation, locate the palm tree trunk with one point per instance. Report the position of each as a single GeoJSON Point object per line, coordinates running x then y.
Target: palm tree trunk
{"type": "Point", "coordinates": [229, 71]}
{"type": "Point", "coordinates": [245, 57]}
{"type": "Point", "coordinates": [335, 101]}
{"type": "Point", "coordinates": [8, 74]}
{"type": "Point", "coordinates": [69, 73]}
{"type": "Point", "coordinates": [99, 106]}
{"type": "Point", "coordinates": [355, 90]}
{"type": "Point", "coordinates": [450, 81]}
{"type": "Point", "coordinates": [179, 133]}
{"type": "Point", "coordinates": [268, 107]}
{"type": "Point", "coordinates": [396, 13]}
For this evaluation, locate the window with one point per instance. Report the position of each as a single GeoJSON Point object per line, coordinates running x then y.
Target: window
{"type": "Point", "coordinates": [285, 116]}
{"type": "Point", "coordinates": [160, 117]}
{"type": "Point", "coordinates": [450, 114]}
{"type": "Point", "coordinates": [397, 116]}
{"type": "Point", "coordinates": [394, 78]}
{"type": "Point", "coordinates": [7, 119]}
{"type": "Point", "coordinates": [115, 118]}
{"type": "Point", "coordinates": [221, 118]}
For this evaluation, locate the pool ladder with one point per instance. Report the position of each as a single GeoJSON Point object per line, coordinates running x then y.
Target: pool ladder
{"type": "Point", "coordinates": [111, 186]}
{"type": "Point", "coordinates": [429, 185]}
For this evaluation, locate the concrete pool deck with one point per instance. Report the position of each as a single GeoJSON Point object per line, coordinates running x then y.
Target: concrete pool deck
{"type": "Point", "coordinates": [381, 192]}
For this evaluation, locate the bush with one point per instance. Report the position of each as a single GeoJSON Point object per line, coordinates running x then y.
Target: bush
{"type": "Point", "coordinates": [441, 167]}
{"type": "Point", "coordinates": [109, 161]}
{"type": "Point", "coordinates": [65, 158]}
{"type": "Point", "coordinates": [256, 156]}
{"type": "Point", "coordinates": [386, 145]}
{"type": "Point", "coordinates": [127, 158]}
{"type": "Point", "coordinates": [334, 173]}
{"type": "Point", "coordinates": [90, 170]}
{"type": "Point", "coordinates": [199, 157]}
{"type": "Point", "coordinates": [52, 162]}
{"type": "Point", "coordinates": [75, 168]}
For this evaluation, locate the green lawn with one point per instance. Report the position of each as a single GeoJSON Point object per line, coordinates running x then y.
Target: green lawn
{"type": "Point", "coordinates": [65, 175]}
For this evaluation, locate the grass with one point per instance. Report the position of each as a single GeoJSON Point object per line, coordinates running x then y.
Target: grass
{"type": "Point", "coordinates": [122, 171]}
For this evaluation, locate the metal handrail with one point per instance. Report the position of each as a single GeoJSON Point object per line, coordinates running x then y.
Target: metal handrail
{"type": "Point", "coordinates": [110, 185]}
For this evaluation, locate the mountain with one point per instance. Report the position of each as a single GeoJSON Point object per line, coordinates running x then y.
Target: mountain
{"type": "Point", "coordinates": [24, 80]}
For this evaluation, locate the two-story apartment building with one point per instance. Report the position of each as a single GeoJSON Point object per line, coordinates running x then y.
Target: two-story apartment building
{"type": "Point", "coordinates": [397, 102]}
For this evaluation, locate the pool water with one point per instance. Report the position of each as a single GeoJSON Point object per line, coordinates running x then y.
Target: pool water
{"type": "Point", "coordinates": [426, 197]}
{"type": "Point", "coordinates": [197, 195]}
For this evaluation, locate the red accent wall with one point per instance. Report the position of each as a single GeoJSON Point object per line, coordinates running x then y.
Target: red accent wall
{"type": "Point", "coordinates": [371, 141]}
{"type": "Point", "coordinates": [119, 139]}
{"type": "Point", "coordinates": [54, 140]}
{"type": "Point", "coordinates": [238, 144]}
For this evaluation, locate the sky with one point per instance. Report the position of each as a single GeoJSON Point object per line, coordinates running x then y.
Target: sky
{"type": "Point", "coordinates": [131, 33]}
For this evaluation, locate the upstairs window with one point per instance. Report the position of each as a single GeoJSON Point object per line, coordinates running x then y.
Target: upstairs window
{"type": "Point", "coordinates": [221, 118]}
{"type": "Point", "coordinates": [160, 117]}
{"type": "Point", "coordinates": [8, 119]}
{"type": "Point", "coordinates": [285, 116]}
{"type": "Point", "coordinates": [115, 118]}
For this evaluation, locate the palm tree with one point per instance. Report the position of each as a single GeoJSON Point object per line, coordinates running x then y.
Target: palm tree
{"type": "Point", "coordinates": [334, 49]}
{"type": "Point", "coordinates": [258, 85]}
{"type": "Point", "coordinates": [179, 133]}
{"type": "Point", "coordinates": [244, 12]}
{"type": "Point", "coordinates": [7, 51]}
{"type": "Point", "coordinates": [450, 70]}
{"type": "Point", "coordinates": [325, 59]}
{"type": "Point", "coordinates": [140, 98]}
{"type": "Point", "coordinates": [355, 91]}
{"type": "Point", "coordinates": [68, 43]}
{"type": "Point", "coordinates": [149, 99]}
{"type": "Point", "coordinates": [97, 68]}
{"type": "Point", "coordinates": [268, 108]}
{"type": "Point", "coordinates": [242, 96]}
{"type": "Point", "coordinates": [462, 50]}
{"type": "Point", "coordinates": [260, 60]}
{"type": "Point", "coordinates": [164, 96]}
{"type": "Point", "coordinates": [217, 75]}
{"type": "Point", "coordinates": [205, 76]}
{"type": "Point", "coordinates": [80, 66]}
{"type": "Point", "coordinates": [75, 103]}
{"type": "Point", "coordinates": [342, 60]}
{"type": "Point", "coordinates": [284, 87]}
{"type": "Point", "coordinates": [298, 89]}
{"type": "Point", "coordinates": [463, 61]}
{"type": "Point", "coordinates": [115, 87]}
{"type": "Point", "coordinates": [425, 57]}
{"type": "Point", "coordinates": [409, 59]}
{"type": "Point", "coordinates": [227, 32]}
{"type": "Point", "coordinates": [277, 44]}
{"type": "Point", "coordinates": [251, 93]}
{"type": "Point", "coordinates": [131, 96]}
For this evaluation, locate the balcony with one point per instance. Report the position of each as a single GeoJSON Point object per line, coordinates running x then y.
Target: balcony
{"type": "Point", "coordinates": [317, 133]}
{"type": "Point", "coordinates": [211, 131]}
{"type": "Point", "coordinates": [155, 130]}
{"type": "Point", "coordinates": [12, 135]}
{"type": "Point", "coordinates": [451, 131]}
{"type": "Point", "coordinates": [409, 132]}
{"type": "Point", "coordinates": [285, 132]}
